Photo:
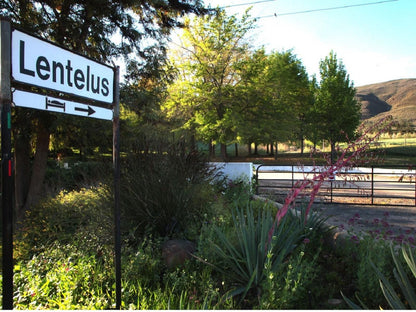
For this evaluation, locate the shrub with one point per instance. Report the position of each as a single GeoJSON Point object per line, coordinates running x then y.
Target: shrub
{"type": "Point", "coordinates": [290, 287]}
{"type": "Point", "coordinates": [85, 215]}
{"type": "Point", "coordinates": [166, 194]}
{"type": "Point", "coordinates": [63, 277]}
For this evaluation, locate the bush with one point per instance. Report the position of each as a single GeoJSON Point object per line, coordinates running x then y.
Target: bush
{"type": "Point", "coordinates": [85, 216]}
{"type": "Point", "coordinates": [63, 277]}
{"type": "Point", "coordinates": [166, 194]}
{"type": "Point", "coordinates": [78, 175]}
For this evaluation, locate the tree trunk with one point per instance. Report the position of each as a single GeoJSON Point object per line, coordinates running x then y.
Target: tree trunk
{"type": "Point", "coordinates": [211, 150]}
{"type": "Point", "coordinates": [255, 149]}
{"type": "Point", "coordinates": [38, 170]}
{"type": "Point", "coordinates": [224, 155]}
{"type": "Point", "coordinates": [22, 170]}
{"type": "Point", "coordinates": [302, 144]}
{"type": "Point", "coordinates": [249, 149]}
{"type": "Point", "coordinates": [275, 155]}
{"type": "Point", "coordinates": [333, 152]}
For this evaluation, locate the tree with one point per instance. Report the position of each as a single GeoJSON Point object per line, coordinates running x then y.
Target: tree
{"type": "Point", "coordinates": [86, 27]}
{"type": "Point", "coordinates": [212, 46]}
{"type": "Point", "coordinates": [274, 98]}
{"type": "Point", "coordinates": [337, 110]}
{"type": "Point", "coordinates": [290, 93]}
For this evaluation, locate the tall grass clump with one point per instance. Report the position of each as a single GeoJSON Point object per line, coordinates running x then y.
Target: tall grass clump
{"type": "Point", "coordinates": [166, 193]}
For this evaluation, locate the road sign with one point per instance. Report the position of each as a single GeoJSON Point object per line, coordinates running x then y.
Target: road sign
{"type": "Point", "coordinates": [52, 104]}
{"type": "Point", "coordinates": [43, 64]}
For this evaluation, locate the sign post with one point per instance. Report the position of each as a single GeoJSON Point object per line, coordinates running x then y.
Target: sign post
{"type": "Point", "coordinates": [6, 163]}
{"type": "Point", "coordinates": [33, 62]}
{"type": "Point", "coordinates": [116, 163]}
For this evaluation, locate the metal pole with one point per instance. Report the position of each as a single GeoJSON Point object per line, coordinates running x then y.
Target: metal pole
{"type": "Point", "coordinates": [116, 164]}
{"type": "Point", "coordinates": [372, 185]}
{"type": "Point", "coordinates": [6, 162]}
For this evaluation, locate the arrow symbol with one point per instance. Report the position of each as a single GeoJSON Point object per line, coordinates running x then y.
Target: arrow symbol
{"type": "Point", "coordinates": [88, 110]}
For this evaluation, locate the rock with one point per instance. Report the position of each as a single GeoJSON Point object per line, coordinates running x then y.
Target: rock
{"type": "Point", "coordinates": [176, 251]}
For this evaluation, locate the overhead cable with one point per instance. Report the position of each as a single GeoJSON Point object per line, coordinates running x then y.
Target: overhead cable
{"type": "Point", "coordinates": [325, 9]}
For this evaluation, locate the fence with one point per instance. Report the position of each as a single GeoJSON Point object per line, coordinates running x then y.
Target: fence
{"type": "Point", "coordinates": [393, 185]}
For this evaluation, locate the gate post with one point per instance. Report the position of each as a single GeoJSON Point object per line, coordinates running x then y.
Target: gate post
{"type": "Point", "coordinates": [372, 185]}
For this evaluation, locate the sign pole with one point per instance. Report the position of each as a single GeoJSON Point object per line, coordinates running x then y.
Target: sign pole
{"type": "Point", "coordinates": [6, 162]}
{"type": "Point", "coordinates": [116, 164]}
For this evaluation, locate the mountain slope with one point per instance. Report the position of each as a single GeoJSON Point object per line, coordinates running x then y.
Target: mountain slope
{"type": "Point", "coordinates": [396, 98]}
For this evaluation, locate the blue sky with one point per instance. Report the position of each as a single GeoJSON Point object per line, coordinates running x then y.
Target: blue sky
{"type": "Point", "coordinates": [375, 39]}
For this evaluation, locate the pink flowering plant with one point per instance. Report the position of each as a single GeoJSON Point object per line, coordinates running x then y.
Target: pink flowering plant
{"type": "Point", "coordinates": [355, 154]}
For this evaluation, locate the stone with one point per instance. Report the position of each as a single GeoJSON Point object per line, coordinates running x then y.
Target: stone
{"type": "Point", "coordinates": [176, 251]}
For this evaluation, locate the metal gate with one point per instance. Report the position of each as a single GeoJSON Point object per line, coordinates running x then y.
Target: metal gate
{"type": "Point", "coordinates": [381, 185]}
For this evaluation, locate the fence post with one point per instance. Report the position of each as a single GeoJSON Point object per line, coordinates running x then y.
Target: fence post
{"type": "Point", "coordinates": [372, 185]}
{"type": "Point", "coordinates": [293, 176]}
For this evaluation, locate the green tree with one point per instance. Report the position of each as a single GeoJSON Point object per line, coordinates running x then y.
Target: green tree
{"type": "Point", "coordinates": [86, 27]}
{"type": "Point", "coordinates": [274, 98]}
{"type": "Point", "coordinates": [337, 110]}
{"type": "Point", "coordinates": [211, 47]}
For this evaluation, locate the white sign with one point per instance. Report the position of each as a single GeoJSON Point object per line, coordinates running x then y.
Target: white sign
{"type": "Point", "coordinates": [43, 64]}
{"type": "Point", "coordinates": [44, 102]}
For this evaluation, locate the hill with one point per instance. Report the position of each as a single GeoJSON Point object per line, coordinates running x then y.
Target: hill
{"type": "Point", "coordinates": [396, 98]}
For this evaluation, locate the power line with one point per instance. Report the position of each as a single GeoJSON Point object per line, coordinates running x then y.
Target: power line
{"type": "Point", "coordinates": [248, 3]}
{"type": "Point", "coordinates": [326, 9]}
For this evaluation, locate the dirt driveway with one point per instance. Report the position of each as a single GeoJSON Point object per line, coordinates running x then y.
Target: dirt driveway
{"type": "Point", "coordinates": [392, 221]}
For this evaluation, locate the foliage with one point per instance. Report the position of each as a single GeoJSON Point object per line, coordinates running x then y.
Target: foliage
{"type": "Point", "coordinates": [167, 193]}
{"type": "Point", "coordinates": [63, 277]}
{"type": "Point", "coordinates": [407, 288]}
{"type": "Point", "coordinates": [291, 286]}
{"type": "Point", "coordinates": [88, 28]}
{"type": "Point", "coordinates": [273, 97]}
{"type": "Point", "coordinates": [76, 175]}
{"type": "Point", "coordinates": [403, 286]}
{"type": "Point", "coordinates": [201, 100]}
{"type": "Point", "coordinates": [337, 112]}
{"type": "Point", "coordinates": [84, 215]}
{"type": "Point", "coordinates": [246, 256]}
{"type": "Point", "coordinates": [351, 156]}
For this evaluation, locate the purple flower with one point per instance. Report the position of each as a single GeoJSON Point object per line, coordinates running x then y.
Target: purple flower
{"type": "Point", "coordinates": [386, 214]}
{"type": "Point", "coordinates": [376, 221]}
{"type": "Point", "coordinates": [385, 224]}
{"type": "Point", "coordinates": [357, 216]}
{"type": "Point", "coordinates": [306, 241]}
{"type": "Point", "coordinates": [355, 239]}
